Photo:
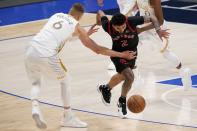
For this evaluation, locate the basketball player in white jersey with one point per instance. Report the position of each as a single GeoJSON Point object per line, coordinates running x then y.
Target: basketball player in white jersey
{"type": "Point", "coordinates": [42, 58]}
{"type": "Point", "coordinates": [153, 7]}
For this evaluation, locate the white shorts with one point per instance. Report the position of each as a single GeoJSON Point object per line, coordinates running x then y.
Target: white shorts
{"type": "Point", "coordinates": [125, 5]}
{"type": "Point", "coordinates": [50, 67]}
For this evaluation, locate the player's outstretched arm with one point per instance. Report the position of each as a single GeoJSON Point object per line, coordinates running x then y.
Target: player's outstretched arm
{"type": "Point", "coordinates": [157, 20]}
{"type": "Point", "coordinates": [99, 14]}
{"type": "Point", "coordinates": [156, 5]}
{"type": "Point", "coordinates": [89, 43]}
{"type": "Point", "coordinates": [161, 33]}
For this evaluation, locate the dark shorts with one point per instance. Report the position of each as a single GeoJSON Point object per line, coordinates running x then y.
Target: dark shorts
{"type": "Point", "coordinates": [121, 64]}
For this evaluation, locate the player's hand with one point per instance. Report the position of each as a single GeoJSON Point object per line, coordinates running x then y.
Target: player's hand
{"type": "Point", "coordinates": [100, 2]}
{"type": "Point", "coordinates": [129, 55]}
{"type": "Point", "coordinates": [163, 34]}
{"type": "Point", "coordinates": [92, 30]}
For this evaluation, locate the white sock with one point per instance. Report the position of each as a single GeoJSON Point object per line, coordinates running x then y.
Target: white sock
{"type": "Point", "coordinates": [65, 91]}
{"type": "Point", "coordinates": [35, 91]}
{"type": "Point", "coordinates": [67, 111]}
{"type": "Point", "coordinates": [35, 103]}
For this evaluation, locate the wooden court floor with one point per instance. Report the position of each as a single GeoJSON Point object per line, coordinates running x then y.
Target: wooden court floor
{"type": "Point", "coordinates": [87, 70]}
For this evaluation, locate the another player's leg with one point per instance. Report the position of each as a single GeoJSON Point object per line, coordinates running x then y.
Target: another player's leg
{"type": "Point", "coordinates": [35, 78]}
{"type": "Point", "coordinates": [129, 78]}
{"type": "Point", "coordinates": [184, 72]}
{"type": "Point", "coordinates": [36, 112]}
{"type": "Point", "coordinates": [172, 58]}
{"type": "Point", "coordinates": [69, 119]}
{"type": "Point", "coordinates": [127, 7]}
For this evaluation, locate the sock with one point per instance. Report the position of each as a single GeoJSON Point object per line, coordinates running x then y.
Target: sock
{"type": "Point", "coordinates": [35, 103]}
{"type": "Point", "coordinates": [65, 91]}
{"type": "Point", "coordinates": [35, 91]}
{"type": "Point", "coordinates": [67, 111]}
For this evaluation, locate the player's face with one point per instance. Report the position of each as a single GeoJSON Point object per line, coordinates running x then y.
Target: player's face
{"type": "Point", "coordinates": [120, 28]}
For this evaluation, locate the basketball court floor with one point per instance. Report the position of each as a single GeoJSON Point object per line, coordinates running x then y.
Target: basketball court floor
{"type": "Point", "coordinates": [169, 107]}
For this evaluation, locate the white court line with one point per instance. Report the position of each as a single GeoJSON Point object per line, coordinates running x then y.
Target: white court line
{"type": "Point", "coordinates": [164, 0]}
{"type": "Point", "coordinates": [187, 7]}
{"type": "Point", "coordinates": [178, 8]}
{"type": "Point", "coordinates": [164, 98]}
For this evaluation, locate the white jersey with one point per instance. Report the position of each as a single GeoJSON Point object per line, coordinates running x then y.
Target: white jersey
{"type": "Point", "coordinates": [51, 39]}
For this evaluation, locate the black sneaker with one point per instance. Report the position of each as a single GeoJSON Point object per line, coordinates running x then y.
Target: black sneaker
{"type": "Point", "coordinates": [122, 107]}
{"type": "Point", "coordinates": [105, 94]}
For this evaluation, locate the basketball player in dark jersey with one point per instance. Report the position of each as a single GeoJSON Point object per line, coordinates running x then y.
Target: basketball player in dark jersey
{"type": "Point", "coordinates": [124, 34]}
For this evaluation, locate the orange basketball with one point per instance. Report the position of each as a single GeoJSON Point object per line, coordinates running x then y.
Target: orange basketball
{"type": "Point", "coordinates": [136, 103]}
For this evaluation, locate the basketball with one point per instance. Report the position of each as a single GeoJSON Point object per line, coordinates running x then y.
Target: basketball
{"type": "Point", "coordinates": [136, 103]}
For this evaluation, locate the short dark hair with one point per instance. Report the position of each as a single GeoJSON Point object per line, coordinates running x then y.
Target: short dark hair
{"type": "Point", "coordinates": [118, 19]}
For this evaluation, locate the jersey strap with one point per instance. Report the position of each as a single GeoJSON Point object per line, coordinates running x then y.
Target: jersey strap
{"type": "Point", "coordinates": [131, 28]}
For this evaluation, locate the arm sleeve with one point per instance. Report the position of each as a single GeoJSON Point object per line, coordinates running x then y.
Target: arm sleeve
{"type": "Point", "coordinates": [136, 20]}
{"type": "Point", "coordinates": [104, 22]}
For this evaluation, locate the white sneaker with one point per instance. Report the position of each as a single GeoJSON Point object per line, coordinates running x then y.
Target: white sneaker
{"type": "Point", "coordinates": [69, 120]}
{"type": "Point", "coordinates": [111, 66]}
{"type": "Point", "coordinates": [38, 118]}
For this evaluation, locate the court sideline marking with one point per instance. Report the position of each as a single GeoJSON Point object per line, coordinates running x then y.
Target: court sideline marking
{"type": "Point", "coordinates": [95, 113]}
